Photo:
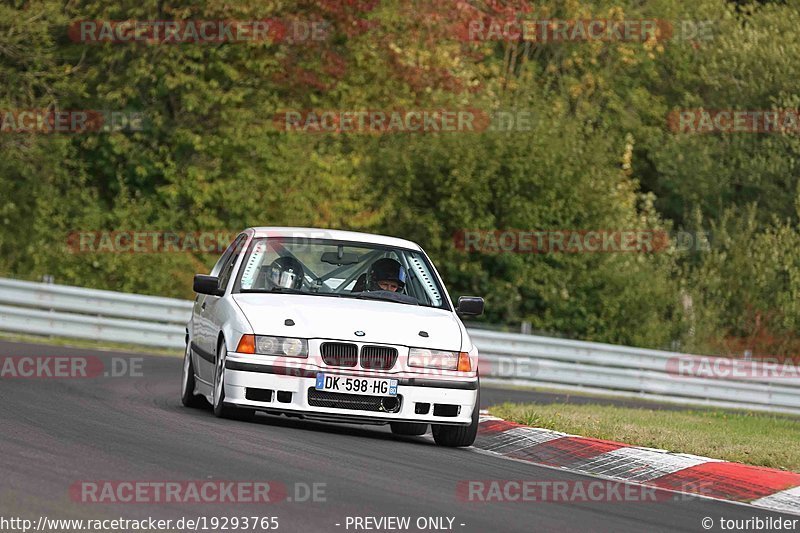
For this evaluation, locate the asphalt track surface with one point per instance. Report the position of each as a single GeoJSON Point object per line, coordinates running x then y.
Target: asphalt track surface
{"type": "Point", "coordinates": [56, 432]}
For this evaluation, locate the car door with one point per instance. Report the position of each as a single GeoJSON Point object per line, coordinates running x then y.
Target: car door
{"type": "Point", "coordinates": [206, 323]}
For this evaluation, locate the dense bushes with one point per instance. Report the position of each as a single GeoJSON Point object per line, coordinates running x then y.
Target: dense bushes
{"type": "Point", "coordinates": [598, 155]}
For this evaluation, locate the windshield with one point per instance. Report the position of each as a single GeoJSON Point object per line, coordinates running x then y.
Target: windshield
{"type": "Point", "coordinates": [340, 269]}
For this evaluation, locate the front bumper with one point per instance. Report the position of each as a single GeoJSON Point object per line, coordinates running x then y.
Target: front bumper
{"type": "Point", "coordinates": [450, 401]}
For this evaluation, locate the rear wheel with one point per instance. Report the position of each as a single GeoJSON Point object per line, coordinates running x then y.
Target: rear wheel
{"type": "Point", "coordinates": [409, 428]}
{"type": "Point", "coordinates": [459, 436]}
{"type": "Point", "coordinates": [222, 409]}
{"type": "Point", "coordinates": [188, 397]}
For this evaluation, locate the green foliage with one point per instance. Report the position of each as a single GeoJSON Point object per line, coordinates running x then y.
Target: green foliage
{"type": "Point", "coordinates": [598, 155]}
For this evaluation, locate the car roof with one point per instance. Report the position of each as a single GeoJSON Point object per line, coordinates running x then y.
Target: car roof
{"type": "Point", "coordinates": [333, 234]}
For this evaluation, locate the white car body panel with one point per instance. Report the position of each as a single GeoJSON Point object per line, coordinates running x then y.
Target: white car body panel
{"type": "Point", "coordinates": [325, 318]}
{"type": "Point", "coordinates": [335, 318]}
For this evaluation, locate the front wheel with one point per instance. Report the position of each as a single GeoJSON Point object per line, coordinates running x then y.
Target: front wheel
{"type": "Point", "coordinates": [188, 397]}
{"type": "Point", "coordinates": [459, 436]}
{"type": "Point", "coordinates": [221, 409]}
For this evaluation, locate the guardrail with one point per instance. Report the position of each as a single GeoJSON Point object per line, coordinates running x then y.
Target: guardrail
{"type": "Point", "coordinates": [607, 369]}
{"type": "Point", "coordinates": [507, 358]}
{"type": "Point", "coordinates": [76, 312]}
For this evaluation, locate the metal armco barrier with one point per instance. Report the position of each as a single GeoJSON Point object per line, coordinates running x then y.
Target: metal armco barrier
{"type": "Point", "coordinates": [507, 358]}
{"type": "Point", "coordinates": [76, 312]}
{"type": "Point", "coordinates": [608, 369]}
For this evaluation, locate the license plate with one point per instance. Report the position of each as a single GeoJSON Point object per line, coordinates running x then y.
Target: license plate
{"type": "Point", "coordinates": [354, 385]}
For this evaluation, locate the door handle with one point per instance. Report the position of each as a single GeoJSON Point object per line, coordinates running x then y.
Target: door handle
{"type": "Point", "coordinates": [203, 307]}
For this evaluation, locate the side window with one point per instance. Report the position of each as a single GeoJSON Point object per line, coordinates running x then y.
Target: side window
{"type": "Point", "coordinates": [227, 266]}
{"type": "Point", "coordinates": [224, 258]}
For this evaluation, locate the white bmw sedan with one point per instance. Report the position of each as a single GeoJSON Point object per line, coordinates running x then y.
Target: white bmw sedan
{"type": "Point", "coordinates": [336, 326]}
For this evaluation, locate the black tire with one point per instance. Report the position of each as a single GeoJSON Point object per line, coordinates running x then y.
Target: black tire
{"type": "Point", "coordinates": [188, 397]}
{"type": "Point", "coordinates": [226, 410]}
{"type": "Point", "coordinates": [220, 407]}
{"type": "Point", "coordinates": [412, 429]}
{"type": "Point", "coordinates": [459, 436]}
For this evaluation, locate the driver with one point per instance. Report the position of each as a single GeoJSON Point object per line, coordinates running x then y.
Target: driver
{"type": "Point", "coordinates": [286, 272]}
{"type": "Point", "coordinates": [386, 274]}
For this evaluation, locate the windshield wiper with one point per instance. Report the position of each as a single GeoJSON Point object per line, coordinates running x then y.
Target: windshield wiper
{"type": "Point", "coordinates": [285, 290]}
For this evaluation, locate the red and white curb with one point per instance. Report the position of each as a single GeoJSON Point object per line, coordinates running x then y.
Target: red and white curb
{"type": "Point", "coordinates": [772, 489]}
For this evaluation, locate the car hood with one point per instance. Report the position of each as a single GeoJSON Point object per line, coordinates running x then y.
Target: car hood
{"type": "Point", "coordinates": [339, 318]}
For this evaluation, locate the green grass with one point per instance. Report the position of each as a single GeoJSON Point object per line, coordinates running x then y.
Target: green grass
{"type": "Point", "coordinates": [744, 437]}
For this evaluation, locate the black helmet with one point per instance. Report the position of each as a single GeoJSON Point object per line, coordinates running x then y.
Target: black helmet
{"type": "Point", "coordinates": [286, 272]}
{"type": "Point", "coordinates": [385, 269]}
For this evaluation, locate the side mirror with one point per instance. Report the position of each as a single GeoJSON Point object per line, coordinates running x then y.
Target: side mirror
{"type": "Point", "coordinates": [470, 306]}
{"type": "Point", "coordinates": [207, 285]}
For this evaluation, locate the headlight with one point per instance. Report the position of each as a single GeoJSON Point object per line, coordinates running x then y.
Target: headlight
{"type": "Point", "coordinates": [281, 346]}
{"type": "Point", "coordinates": [426, 358]}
